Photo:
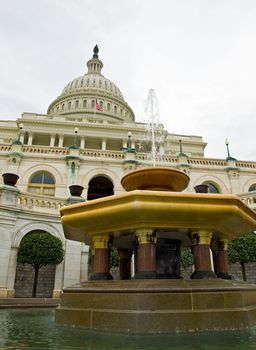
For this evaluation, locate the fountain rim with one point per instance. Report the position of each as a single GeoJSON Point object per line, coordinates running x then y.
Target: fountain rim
{"type": "Point", "coordinates": [79, 220]}
{"type": "Point", "coordinates": [177, 180]}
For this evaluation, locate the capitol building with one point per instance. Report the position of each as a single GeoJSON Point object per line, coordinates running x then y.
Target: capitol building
{"type": "Point", "coordinates": [88, 137]}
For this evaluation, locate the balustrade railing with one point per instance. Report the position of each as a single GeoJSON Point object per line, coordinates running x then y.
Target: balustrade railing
{"type": "Point", "coordinates": [101, 154]}
{"type": "Point", "coordinates": [248, 198]}
{"type": "Point", "coordinates": [5, 148]}
{"type": "Point", "coordinates": [35, 202]}
{"type": "Point", "coordinates": [119, 155]}
{"type": "Point", "coordinates": [44, 149]}
{"type": "Point", "coordinates": [207, 161]}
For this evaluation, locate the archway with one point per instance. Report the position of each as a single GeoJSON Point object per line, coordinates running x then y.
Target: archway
{"type": "Point", "coordinates": [99, 186]}
{"type": "Point", "coordinates": [24, 279]}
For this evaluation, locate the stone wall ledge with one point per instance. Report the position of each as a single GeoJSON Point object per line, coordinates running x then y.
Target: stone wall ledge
{"type": "Point", "coordinates": [28, 302]}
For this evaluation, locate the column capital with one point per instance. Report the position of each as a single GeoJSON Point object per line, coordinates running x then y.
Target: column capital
{"type": "Point", "coordinates": [100, 241]}
{"type": "Point", "coordinates": [219, 244]}
{"type": "Point", "coordinates": [145, 236]}
{"type": "Point", "coordinates": [201, 237]}
{"type": "Point", "coordinates": [223, 243]}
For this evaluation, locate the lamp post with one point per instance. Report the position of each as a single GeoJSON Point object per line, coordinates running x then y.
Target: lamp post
{"type": "Point", "coordinates": [75, 145]}
{"type": "Point", "coordinates": [129, 141]}
{"type": "Point", "coordinates": [227, 144]}
{"type": "Point", "coordinates": [18, 142]}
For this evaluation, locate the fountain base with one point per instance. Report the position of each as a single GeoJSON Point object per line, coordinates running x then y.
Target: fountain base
{"type": "Point", "coordinates": [159, 306]}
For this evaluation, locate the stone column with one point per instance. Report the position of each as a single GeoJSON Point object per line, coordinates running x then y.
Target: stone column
{"type": "Point", "coordinates": [92, 250]}
{"type": "Point", "coordinates": [146, 254]}
{"type": "Point", "coordinates": [125, 256]}
{"type": "Point", "coordinates": [82, 142]}
{"type": "Point", "coordinates": [220, 258]}
{"type": "Point", "coordinates": [22, 137]}
{"type": "Point", "coordinates": [101, 260]}
{"type": "Point", "coordinates": [52, 140]}
{"type": "Point", "coordinates": [201, 241]}
{"type": "Point", "coordinates": [104, 144]}
{"type": "Point", "coordinates": [61, 139]}
{"type": "Point", "coordinates": [125, 143]}
{"type": "Point", "coordinates": [30, 138]}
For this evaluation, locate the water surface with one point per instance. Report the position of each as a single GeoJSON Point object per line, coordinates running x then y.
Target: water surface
{"type": "Point", "coordinates": [35, 329]}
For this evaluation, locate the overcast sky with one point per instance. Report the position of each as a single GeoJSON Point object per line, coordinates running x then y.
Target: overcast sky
{"type": "Point", "coordinates": [198, 55]}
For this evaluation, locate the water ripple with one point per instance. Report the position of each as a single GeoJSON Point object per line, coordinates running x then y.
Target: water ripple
{"type": "Point", "coordinates": [34, 329]}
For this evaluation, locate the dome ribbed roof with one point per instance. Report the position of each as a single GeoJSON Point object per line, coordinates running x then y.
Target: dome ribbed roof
{"type": "Point", "coordinates": [93, 81]}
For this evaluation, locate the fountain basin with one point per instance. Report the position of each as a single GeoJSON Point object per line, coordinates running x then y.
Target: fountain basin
{"type": "Point", "coordinates": [159, 306]}
{"type": "Point", "coordinates": [155, 179]}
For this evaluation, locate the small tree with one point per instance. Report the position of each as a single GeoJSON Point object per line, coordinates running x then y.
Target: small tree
{"type": "Point", "coordinates": [186, 258]}
{"type": "Point", "coordinates": [40, 249]}
{"type": "Point", "coordinates": [114, 258]}
{"type": "Point", "coordinates": [243, 251]}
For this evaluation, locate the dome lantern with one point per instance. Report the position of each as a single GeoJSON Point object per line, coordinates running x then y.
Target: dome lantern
{"type": "Point", "coordinates": [95, 65]}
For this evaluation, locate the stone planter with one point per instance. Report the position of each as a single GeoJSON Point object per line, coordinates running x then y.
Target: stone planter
{"type": "Point", "coordinates": [76, 190]}
{"type": "Point", "coordinates": [10, 179]}
{"type": "Point", "coordinates": [201, 188]}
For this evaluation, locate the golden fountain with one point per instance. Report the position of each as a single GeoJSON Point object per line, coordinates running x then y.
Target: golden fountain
{"type": "Point", "coordinates": [153, 220]}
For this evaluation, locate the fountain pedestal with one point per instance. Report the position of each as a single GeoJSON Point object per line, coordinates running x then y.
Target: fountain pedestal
{"type": "Point", "coordinates": [155, 221]}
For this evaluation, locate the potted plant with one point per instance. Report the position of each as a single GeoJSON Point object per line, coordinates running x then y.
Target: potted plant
{"type": "Point", "coordinates": [76, 190]}
{"type": "Point", "coordinates": [10, 179]}
{"type": "Point", "coordinates": [203, 188]}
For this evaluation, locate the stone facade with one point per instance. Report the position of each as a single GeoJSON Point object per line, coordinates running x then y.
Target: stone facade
{"type": "Point", "coordinates": [90, 133]}
{"type": "Point", "coordinates": [24, 279]}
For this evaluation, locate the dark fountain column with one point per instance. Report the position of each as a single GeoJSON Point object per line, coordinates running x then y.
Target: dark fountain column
{"type": "Point", "coordinates": [125, 256]}
{"type": "Point", "coordinates": [101, 259]}
{"type": "Point", "coordinates": [201, 241]}
{"type": "Point", "coordinates": [146, 254]}
{"type": "Point", "coordinates": [220, 258]}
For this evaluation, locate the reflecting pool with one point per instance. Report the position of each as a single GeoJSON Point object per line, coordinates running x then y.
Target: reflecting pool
{"type": "Point", "coordinates": [36, 329]}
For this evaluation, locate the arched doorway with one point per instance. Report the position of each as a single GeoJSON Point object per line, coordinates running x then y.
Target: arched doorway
{"type": "Point", "coordinates": [99, 186]}
{"type": "Point", "coordinates": [24, 279]}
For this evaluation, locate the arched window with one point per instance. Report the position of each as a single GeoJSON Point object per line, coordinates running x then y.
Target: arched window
{"type": "Point", "coordinates": [77, 103]}
{"type": "Point", "coordinates": [252, 188]}
{"type": "Point", "coordinates": [108, 106]}
{"type": "Point", "coordinates": [69, 105]}
{"type": "Point", "coordinates": [85, 103]}
{"type": "Point", "coordinates": [115, 109]}
{"type": "Point", "coordinates": [212, 188]}
{"type": "Point", "coordinates": [63, 106]}
{"type": "Point", "coordinates": [42, 183]}
{"type": "Point", "coordinates": [99, 186]}
{"type": "Point", "coordinates": [93, 104]}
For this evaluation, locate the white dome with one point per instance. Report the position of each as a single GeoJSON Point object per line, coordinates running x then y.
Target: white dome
{"type": "Point", "coordinates": [83, 93]}
{"type": "Point", "coordinates": [92, 81]}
